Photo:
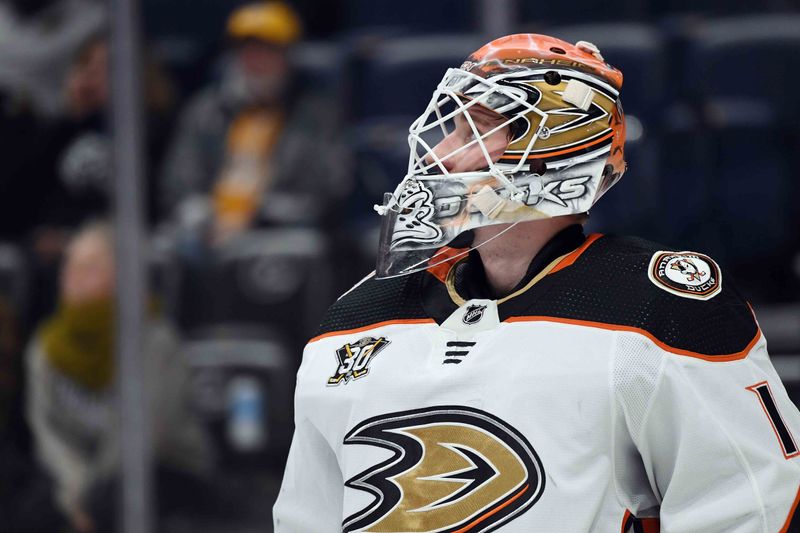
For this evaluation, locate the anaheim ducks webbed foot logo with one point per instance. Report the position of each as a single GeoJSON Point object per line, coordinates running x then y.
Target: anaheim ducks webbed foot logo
{"type": "Point", "coordinates": [453, 469]}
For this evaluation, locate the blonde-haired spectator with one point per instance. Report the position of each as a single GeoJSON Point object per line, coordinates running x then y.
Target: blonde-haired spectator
{"type": "Point", "coordinates": [71, 383]}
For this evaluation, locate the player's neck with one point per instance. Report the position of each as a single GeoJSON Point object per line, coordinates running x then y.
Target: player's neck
{"type": "Point", "coordinates": [506, 259]}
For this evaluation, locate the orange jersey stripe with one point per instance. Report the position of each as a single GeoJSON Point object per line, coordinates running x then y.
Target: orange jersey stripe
{"type": "Point", "coordinates": [373, 326]}
{"type": "Point", "coordinates": [625, 518]}
{"type": "Point", "coordinates": [618, 327]}
{"type": "Point", "coordinates": [785, 528]}
{"type": "Point", "coordinates": [570, 258]}
{"type": "Point", "coordinates": [480, 519]}
{"type": "Point", "coordinates": [651, 525]}
{"type": "Point", "coordinates": [451, 257]}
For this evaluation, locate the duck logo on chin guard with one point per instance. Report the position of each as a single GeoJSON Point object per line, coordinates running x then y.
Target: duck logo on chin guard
{"type": "Point", "coordinates": [685, 274]}
{"type": "Point", "coordinates": [415, 217]}
{"type": "Point", "coordinates": [473, 314]}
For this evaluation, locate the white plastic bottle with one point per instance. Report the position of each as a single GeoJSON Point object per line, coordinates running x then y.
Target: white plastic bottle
{"type": "Point", "coordinates": [247, 429]}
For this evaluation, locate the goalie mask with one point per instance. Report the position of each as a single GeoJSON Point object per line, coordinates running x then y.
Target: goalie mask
{"type": "Point", "coordinates": [529, 127]}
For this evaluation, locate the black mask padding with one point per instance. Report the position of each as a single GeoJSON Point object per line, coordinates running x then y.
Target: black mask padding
{"type": "Point", "coordinates": [538, 167]}
{"type": "Point", "coordinates": [462, 240]}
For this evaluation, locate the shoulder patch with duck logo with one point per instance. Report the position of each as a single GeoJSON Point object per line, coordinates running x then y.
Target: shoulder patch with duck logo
{"type": "Point", "coordinates": [685, 274]}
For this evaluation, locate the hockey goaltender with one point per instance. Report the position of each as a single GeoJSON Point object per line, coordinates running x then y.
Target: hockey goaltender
{"type": "Point", "coordinates": [503, 371]}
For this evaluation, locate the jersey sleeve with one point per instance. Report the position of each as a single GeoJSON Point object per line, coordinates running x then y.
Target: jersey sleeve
{"type": "Point", "coordinates": [716, 437]}
{"type": "Point", "coordinates": [311, 493]}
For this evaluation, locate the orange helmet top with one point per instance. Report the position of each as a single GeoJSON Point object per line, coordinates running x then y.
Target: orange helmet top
{"type": "Point", "coordinates": [531, 50]}
{"type": "Point", "coordinates": [604, 122]}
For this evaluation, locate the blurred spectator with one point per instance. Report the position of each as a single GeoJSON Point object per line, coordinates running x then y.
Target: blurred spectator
{"type": "Point", "coordinates": [38, 38]}
{"type": "Point", "coordinates": [80, 154]}
{"type": "Point", "coordinates": [261, 148]}
{"type": "Point", "coordinates": [38, 41]}
{"type": "Point", "coordinates": [71, 393]}
{"type": "Point", "coordinates": [57, 169]}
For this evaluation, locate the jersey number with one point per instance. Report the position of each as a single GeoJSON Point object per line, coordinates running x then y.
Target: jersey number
{"type": "Point", "coordinates": [764, 394]}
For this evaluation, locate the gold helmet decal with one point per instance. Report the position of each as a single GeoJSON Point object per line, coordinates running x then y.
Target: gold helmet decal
{"type": "Point", "coordinates": [567, 128]}
{"type": "Point", "coordinates": [453, 469]}
{"type": "Point", "coordinates": [569, 131]}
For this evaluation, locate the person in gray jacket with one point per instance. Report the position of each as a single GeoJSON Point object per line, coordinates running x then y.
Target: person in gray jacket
{"type": "Point", "coordinates": [254, 146]}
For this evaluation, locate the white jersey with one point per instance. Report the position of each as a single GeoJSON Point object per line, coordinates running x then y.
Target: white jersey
{"type": "Point", "coordinates": [620, 388]}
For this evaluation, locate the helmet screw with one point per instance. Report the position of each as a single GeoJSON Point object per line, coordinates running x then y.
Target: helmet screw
{"type": "Point", "coordinates": [552, 77]}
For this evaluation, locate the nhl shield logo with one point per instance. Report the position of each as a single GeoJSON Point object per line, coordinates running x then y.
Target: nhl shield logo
{"type": "Point", "coordinates": [686, 274]}
{"type": "Point", "coordinates": [473, 314]}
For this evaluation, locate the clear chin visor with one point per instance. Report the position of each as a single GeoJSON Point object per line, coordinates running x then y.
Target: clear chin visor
{"type": "Point", "coordinates": [415, 234]}
{"type": "Point", "coordinates": [432, 205]}
{"type": "Point", "coordinates": [422, 220]}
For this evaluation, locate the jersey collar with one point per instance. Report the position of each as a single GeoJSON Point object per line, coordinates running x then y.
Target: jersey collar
{"type": "Point", "coordinates": [468, 277]}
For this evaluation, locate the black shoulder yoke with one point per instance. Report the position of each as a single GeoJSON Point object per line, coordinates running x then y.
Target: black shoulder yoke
{"type": "Point", "coordinates": [375, 301]}
{"type": "Point", "coordinates": [609, 284]}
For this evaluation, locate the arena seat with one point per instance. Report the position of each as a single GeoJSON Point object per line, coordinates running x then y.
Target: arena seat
{"type": "Point", "coordinates": [241, 385]}
{"type": "Point", "coordinates": [184, 36]}
{"type": "Point", "coordinates": [278, 279]}
{"type": "Point", "coordinates": [755, 205]}
{"type": "Point", "coordinates": [685, 186]}
{"type": "Point", "coordinates": [749, 61]}
{"type": "Point", "coordinates": [14, 279]}
{"type": "Point", "coordinates": [416, 16]}
{"type": "Point", "coordinates": [713, 8]}
{"type": "Point", "coordinates": [396, 77]}
{"type": "Point", "coordinates": [320, 65]}
{"type": "Point", "coordinates": [638, 50]}
{"type": "Point", "coordinates": [629, 207]}
{"type": "Point", "coordinates": [742, 68]}
{"type": "Point", "coordinates": [546, 13]}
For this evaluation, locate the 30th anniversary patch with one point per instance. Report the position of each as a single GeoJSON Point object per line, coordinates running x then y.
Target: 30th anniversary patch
{"type": "Point", "coordinates": [353, 359]}
{"type": "Point", "coordinates": [686, 274]}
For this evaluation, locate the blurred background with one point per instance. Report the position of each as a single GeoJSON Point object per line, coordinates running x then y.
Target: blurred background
{"type": "Point", "coordinates": [271, 130]}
